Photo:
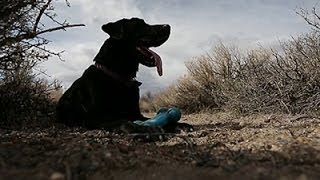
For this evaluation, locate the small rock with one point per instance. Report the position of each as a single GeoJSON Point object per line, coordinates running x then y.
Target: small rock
{"type": "Point", "coordinates": [107, 154]}
{"type": "Point", "coordinates": [302, 177]}
{"type": "Point", "coordinates": [275, 148]}
{"type": "Point", "coordinates": [57, 176]}
{"type": "Point", "coordinates": [242, 124]}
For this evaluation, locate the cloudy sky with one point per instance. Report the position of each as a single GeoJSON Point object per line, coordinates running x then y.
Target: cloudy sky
{"type": "Point", "coordinates": [196, 26]}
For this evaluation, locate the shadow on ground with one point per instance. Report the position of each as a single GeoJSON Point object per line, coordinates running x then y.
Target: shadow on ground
{"type": "Point", "coordinates": [261, 147]}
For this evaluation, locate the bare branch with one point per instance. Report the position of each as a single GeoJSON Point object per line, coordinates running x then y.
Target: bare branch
{"type": "Point", "coordinates": [306, 16]}
{"type": "Point", "coordinates": [58, 28]}
{"type": "Point", "coordinates": [42, 10]}
{"type": "Point", "coordinates": [52, 17]}
{"type": "Point", "coordinates": [68, 3]}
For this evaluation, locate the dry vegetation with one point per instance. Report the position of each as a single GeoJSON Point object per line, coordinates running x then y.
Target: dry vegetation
{"type": "Point", "coordinates": [257, 81]}
{"type": "Point", "coordinates": [262, 80]}
{"type": "Point", "coordinates": [26, 99]}
{"type": "Point", "coordinates": [146, 103]}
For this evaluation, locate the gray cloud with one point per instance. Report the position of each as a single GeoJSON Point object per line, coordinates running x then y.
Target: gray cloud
{"type": "Point", "coordinates": [196, 26]}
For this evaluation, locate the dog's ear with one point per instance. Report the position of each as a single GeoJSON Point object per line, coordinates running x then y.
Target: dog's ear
{"type": "Point", "coordinates": [114, 29]}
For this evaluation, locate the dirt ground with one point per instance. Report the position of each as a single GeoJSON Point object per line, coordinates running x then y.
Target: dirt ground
{"type": "Point", "coordinates": [222, 146]}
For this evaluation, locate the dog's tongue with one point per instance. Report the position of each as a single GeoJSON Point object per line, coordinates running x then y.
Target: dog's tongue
{"type": "Point", "coordinates": [157, 60]}
{"type": "Point", "coordinates": [155, 57]}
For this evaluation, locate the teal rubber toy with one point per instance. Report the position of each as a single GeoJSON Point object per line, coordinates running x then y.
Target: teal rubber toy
{"type": "Point", "coordinates": [164, 116]}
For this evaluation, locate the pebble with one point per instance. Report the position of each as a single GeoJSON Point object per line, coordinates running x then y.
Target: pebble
{"type": "Point", "coordinates": [242, 124]}
{"type": "Point", "coordinates": [302, 177]}
{"type": "Point", "coordinates": [57, 176]}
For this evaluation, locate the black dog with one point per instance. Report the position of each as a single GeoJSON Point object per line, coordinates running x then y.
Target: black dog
{"type": "Point", "coordinates": [107, 93]}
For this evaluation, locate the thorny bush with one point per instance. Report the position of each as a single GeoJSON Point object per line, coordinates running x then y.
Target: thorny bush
{"type": "Point", "coordinates": [260, 80]}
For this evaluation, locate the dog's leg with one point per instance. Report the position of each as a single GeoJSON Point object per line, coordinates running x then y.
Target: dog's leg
{"type": "Point", "coordinates": [135, 98]}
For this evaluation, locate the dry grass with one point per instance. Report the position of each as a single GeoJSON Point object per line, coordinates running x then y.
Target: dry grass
{"type": "Point", "coordinates": [260, 80]}
{"type": "Point", "coordinates": [146, 103]}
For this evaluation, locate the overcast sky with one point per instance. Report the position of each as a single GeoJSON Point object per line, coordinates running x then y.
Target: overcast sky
{"type": "Point", "coordinates": [196, 26]}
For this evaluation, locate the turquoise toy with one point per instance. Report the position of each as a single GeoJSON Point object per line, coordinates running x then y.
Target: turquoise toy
{"type": "Point", "coordinates": [164, 116]}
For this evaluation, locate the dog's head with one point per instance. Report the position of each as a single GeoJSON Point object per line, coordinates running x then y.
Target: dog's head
{"type": "Point", "coordinates": [134, 36]}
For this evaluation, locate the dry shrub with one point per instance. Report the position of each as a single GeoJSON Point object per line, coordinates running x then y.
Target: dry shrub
{"type": "Point", "coordinates": [26, 101]}
{"type": "Point", "coordinates": [298, 82]}
{"type": "Point", "coordinates": [55, 93]}
{"type": "Point", "coordinates": [179, 96]}
{"type": "Point", "coordinates": [147, 103]}
{"type": "Point", "coordinates": [202, 87]}
{"type": "Point", "coordinates": [24, 97]}
{"type": "Point", "coordinates": [259, 80]}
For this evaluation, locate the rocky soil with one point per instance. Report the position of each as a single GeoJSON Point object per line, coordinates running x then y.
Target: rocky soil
{"type": "Point", "coordinates": [222, 146]}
